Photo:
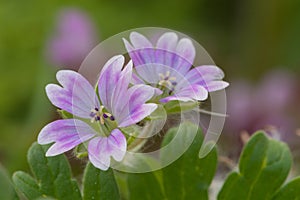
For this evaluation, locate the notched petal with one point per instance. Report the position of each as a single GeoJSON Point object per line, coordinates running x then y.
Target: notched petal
{"type": "Point", "coordinates": [101, 149]}
{"type": "Point", "coordinates": [76, 95]}
{"type": "Point", "coordinates": [139, 41]}
{"type": "Point", "coordinates": [66, 134]}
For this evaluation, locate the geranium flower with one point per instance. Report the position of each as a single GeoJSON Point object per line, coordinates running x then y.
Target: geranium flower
{"type": "Point", "coordinates": [167, 65]}
{"type": "Point", "coordinates": [96, 122]}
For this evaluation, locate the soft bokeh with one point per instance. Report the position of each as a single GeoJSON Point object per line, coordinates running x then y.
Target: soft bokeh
{"type": "Point", "coordinates": [74, 37]}
{"type": "Point", "coordinates": [268, 104]}
{"type": "Point", "coordinates": [248, 39]}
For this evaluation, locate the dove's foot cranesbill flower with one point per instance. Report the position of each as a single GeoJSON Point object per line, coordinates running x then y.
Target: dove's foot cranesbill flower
{"type": "Point", "coordinates": [97, 121]}
{"type": "Point", "coordinates": [168, 66]}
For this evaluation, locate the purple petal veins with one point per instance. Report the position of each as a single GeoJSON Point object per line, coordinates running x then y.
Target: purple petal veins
{"type": "Point", "coordinates": [100, 149]}
{"type": "Point", "coordinates": [66, 133]}
{"type": "Point", "coordinates": [77, 96]}
{"type": "Point", "coordinates": [168, 64]}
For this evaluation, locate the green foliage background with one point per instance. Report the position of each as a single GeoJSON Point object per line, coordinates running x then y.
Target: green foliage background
{"type": "Point", "coordinates": [245, 38]}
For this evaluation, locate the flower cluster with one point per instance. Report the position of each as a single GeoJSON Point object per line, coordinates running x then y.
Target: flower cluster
{"type": "Point", "coordinates": [125, 96]}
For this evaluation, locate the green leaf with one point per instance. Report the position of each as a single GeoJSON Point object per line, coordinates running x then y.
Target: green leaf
{"type": "Point", "coordinates": [290, 191]}
{"type": "Point", "coordinates": [52, 174]}
{"type": "Point", "coordinates": [144, 186]}
{"type": "Point", "coordinates": [27, 185]}
{"type": "Point", "coordinates": [263, 167]}
{"type": "Point", "coordinates": [6, 187]}
{"type": "Point", "coordinates": [188, 177]}
{"type": "Point", "coordinates": [98, 184]}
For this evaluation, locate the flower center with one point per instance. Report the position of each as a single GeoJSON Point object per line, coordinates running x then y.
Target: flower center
{"type": "Point", "coordinates": [167, 81]}
{"type": "Point", "coordinates": [97, 114]}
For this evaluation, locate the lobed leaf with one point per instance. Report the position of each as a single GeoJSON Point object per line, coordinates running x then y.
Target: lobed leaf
{"type": "Point", "coordinates": [52, 176]}
{"type": "Point", "coordinates": [27, 185]}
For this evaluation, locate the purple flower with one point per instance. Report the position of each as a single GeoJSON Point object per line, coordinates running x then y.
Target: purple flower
{"type": "Point", "coordinates": [96, 123]}
{"type": "Point", "coordinates": [265, 106]}
{"type": "Point", "coordinates": [74, 38]}
{"type": "Point", "coordinates": [167, 65]}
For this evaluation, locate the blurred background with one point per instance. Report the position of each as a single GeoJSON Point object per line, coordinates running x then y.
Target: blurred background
{"type": "Point", "coordinates": [255, 42]}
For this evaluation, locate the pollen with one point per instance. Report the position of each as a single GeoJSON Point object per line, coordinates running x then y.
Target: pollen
{"type": "Point", "coordinates": [166, 80]}
{"type": "Point", "coordinates": [98, 115]}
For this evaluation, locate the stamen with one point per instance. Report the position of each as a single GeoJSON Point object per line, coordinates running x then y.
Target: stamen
{"type": "Point", "coordinates": [107, 114]}
{"type": "Point", "coordinates": [101, 120]}
{"type": "Point", "coordinates": [161, 76]}
{"type": "Point", "coordinates": [168, 73]}
{"type": "Point", "coordinates": [166, 80]}
{"type": "Point", "coordinates": [98, 115]}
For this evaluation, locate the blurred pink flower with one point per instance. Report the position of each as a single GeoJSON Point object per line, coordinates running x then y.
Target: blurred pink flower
{"type": "Point", "coordinates": [73, 39]}
{"type": "Point", "coordinates": [265, 106]}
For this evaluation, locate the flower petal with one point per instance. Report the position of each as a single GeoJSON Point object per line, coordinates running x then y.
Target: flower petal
{"type": "Point", "coordinates": [136, 79]}
{"type": "Point", "coordinates": [203, 74]}
{"type": "Point", "coordinates": [139, 41]}
{"type": "Point", "coordinates": [119, 95]}
{"type": "Point", "coordinates": [168, 53]}
{"type": "Point", "coordinates": [118, 143]}
{"type": "Point", "coordinates": [102, 148]}
{"type": "Point", "coordinates": [77, 95]}
{"type": "Point", "coordinates": [109, 76]}
{"type": "Point", "coordinates": [186, 49]}
{"type": "Point", "coordinates": [189, 93]}
{"type": "Point", "coordinates": [138, 114]}
{"type": "Point", "coordinates": [97, 153]}
{"type": "Point", "coordinates": [156, 71]}
{"type": "Point", "coordinates": [134, 54]}
{"type": "Point", "coordinates": [168, 41]}
{"type": "Point", "coordinates": [182, 58]}
{"type": "Point", "coordinates": [150, 72]}
{"type": "Point", "coordinates": [216, 85]}
{"type": "Point", "coordinates": [165, 52]}
{"type": "Point", "coordinates": [66, 133]}
{"type": "Point", "coordinates": [137, 95]}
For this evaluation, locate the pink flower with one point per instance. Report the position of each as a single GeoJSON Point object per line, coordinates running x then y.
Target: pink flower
{"type": "Point", "coordinates": [74, 38]}
{"type": "Point", "coordinates": [96, 121]}
{"type": "Point", "coordinates": [168, 66]}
